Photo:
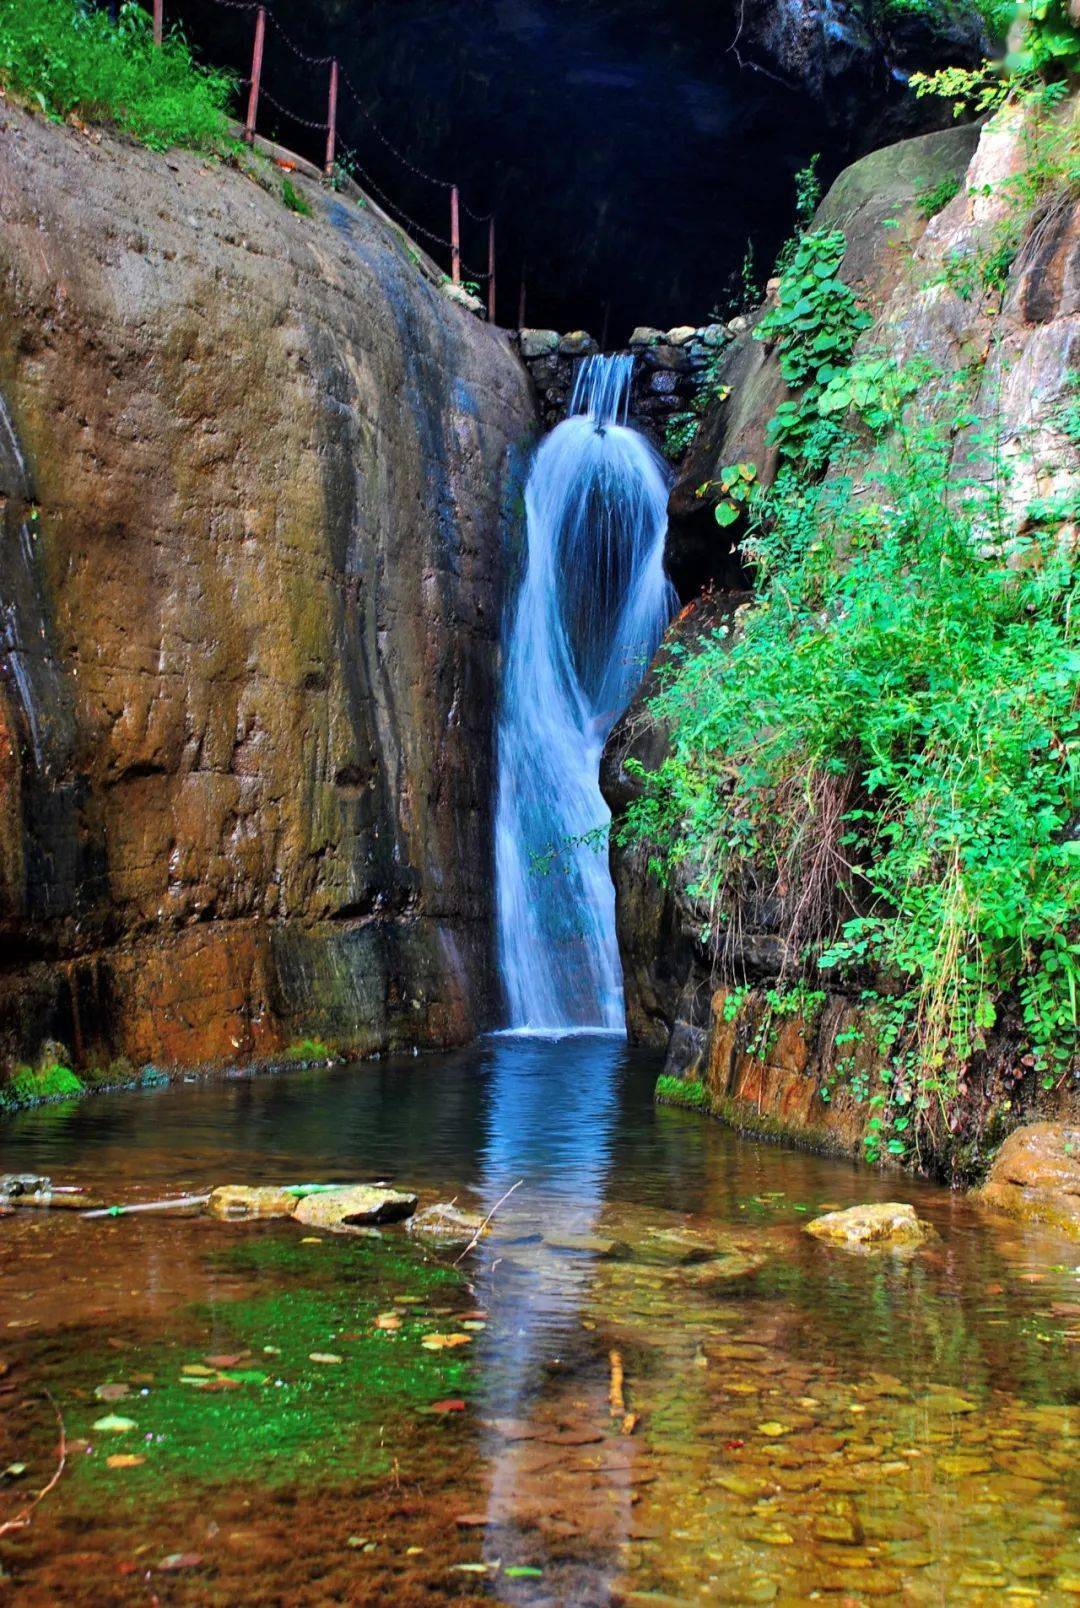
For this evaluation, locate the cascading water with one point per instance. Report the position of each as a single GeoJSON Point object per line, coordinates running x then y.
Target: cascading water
{"type": "Point", "coordinates": [593, 604]}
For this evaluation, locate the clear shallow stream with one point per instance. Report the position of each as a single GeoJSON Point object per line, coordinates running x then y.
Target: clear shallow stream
{"type": "Point", "coordinates": [668, 1392]}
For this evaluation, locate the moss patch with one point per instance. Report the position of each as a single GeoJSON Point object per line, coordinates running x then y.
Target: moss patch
{"type": "Point", "coordinates": [237, 1395]}
{"type": "Point", "coordinates": [681, 1091]}
{"type": "Point", "coordinates": [29, 1085]}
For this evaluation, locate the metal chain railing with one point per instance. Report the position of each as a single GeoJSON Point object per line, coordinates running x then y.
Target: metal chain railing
{"type": "Point", "coordinates": [264, 15]}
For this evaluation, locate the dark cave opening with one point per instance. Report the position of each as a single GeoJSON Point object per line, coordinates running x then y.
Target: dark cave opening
{"type": "Point", "coordinates": [632, 153]}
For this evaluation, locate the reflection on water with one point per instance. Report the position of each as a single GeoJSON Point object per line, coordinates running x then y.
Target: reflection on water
{"type": "Point", "coordinates": [794, 1423]}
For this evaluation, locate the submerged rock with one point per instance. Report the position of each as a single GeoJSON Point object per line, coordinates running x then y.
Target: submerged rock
{"type": "Point", "coordinates": [354, 1203]}
{"type": "Point", "coordinates": [448, 1223]}
{"type": "Point", "coordinates": [240, 1202]}
{"type": "Point", "coordinates": [22, 1184]}
{"type": "Point", "coordinates": [880, 1226]}
{"type": "Point", "coordinates": [1036, 1175]}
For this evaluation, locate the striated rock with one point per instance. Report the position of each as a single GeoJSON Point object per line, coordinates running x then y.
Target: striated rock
{"type": "Point", "coordinates": [1036, 1176]}
{"type": "Point", "coordinates": [353, 1203]}
{"type": "Point", "coordinates": [259, 500]}
{"type": "Point", "coordinates": [538, 342]}
{"type": "Point", "coordinates": [882, 1226]}
{"type": "Point", "coordinates": [242, 1202]}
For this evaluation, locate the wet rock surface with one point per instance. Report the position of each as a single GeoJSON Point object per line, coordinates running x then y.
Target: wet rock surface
{"type": "Point", "coordinates": [259, 486]}
{"type": "Point", "coordinates": [243, 1202]}
{"type": "Point", "coordinates": [885, 1225]}
{"type": "Point", "coordinates": [353, 1204]}
{"type": "Point", "coordinates": [1036, 1175]}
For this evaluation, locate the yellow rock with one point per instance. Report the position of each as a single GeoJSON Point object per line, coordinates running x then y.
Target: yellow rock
{"type": "Point", "coordinates": [882, 1225]}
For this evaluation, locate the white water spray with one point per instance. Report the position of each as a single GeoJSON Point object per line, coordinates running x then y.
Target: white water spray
{"type": "Point", "coordinates": [592, 607]}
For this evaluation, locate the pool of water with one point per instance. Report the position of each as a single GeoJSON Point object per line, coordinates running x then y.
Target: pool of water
{"type": "Point", "coordinates": [647, 1386]}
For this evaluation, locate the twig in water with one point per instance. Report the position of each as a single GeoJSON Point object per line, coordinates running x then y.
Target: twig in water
{"type": "Point", "coordinates": [476, 1237]}
{"type": "Point", "coordinates": [21, 1520]}
{"type": "Point", "coordinates": [148, 1206]}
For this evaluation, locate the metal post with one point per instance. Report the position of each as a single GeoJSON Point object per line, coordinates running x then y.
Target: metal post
{"type": "Point", "coordinates": [331, 120]}
{"type": "Point", "coordinates": [521, 300]}
{"type": "Point", "coordinates": [256, 75]}
{"type": "Point", "coordinates": [491, 270]}
{"type": "Point", "coordinates": [159, 20]}
{"type": "Point", "coordinates": [455, 236]}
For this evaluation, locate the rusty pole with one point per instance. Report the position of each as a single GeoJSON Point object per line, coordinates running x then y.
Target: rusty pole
{"type": "Point", "coordinates": [331, 121]}
{"type": "Point", "coordinates": [491, 270]}
{"type": "Point", "coordinates": [455, 235]}
{"type": "Point", "coordinates": [256, 75]}
{"type": "Point", "coordinates": [159, 21]}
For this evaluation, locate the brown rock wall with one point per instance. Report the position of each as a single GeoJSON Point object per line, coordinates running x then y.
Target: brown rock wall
{"type": "Point", "coordinates": [246, 731]}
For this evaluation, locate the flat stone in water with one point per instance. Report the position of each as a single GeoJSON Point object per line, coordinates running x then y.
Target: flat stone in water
{"type": "Point", "coordinates": [353, 1203]}
{"type": "Point", "coordinates": [240, 1202]}
{"type": "Point", "coordinates": [884, 1225]}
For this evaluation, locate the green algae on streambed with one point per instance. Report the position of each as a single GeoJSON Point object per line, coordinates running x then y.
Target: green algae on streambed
{"type": "Point", "coordinates": [284, 1387]}
{"type": "Point", "coordinates": [797, 1423]}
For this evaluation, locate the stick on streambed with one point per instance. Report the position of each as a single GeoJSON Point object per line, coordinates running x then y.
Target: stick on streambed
{"type": "Point", "coordinates": [149, 1206]}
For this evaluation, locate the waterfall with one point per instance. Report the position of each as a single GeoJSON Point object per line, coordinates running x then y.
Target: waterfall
{"type": "Point", "coordinates": [591, 608]}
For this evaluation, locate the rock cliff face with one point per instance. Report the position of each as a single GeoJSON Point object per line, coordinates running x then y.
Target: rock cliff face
{"type": "Point", "coordinates": [260, 480]}
{"type": "Point", "coordinates": [1018, 350]}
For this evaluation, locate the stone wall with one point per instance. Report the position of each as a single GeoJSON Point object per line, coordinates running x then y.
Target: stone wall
{"type": "Point", "coordinates": [261, 479]}
{"type": "Point", "coordinates": [670, 369]}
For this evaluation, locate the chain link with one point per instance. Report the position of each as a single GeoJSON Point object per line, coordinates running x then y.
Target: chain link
{"type": "Point", "coordinates": [402, 217]}
{"type": "Point", "coordinates": [399, 155]}
{"type": "Point", "coordinates": [419, 172]}
{"type": "Point", "coordinates": [302, 55]}
{"type": "Point", "coordinates": [305, 122]}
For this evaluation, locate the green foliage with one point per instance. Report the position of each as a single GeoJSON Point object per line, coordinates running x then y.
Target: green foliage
{"type": "Point", "coordinates": [814, 324]}
{"type": "Point", "coordinates": [807, 192]}
{"type": "Point", "coordinates": [28, 1086]}
{"type": "Point", "coordinates": [910, 676]}
{"type": "Point", "coordinates": [679, 434]}
{"type": "Point", "coordinates": [936, 197]}
{"type": "Point", "coordinates": [66, 58]}
{"type": "Point", "coordinates": [681, 1091]}
{"type": "Point", "coordinates": [308, 1049]}
{"type": "Point", "coordinates": [1046, 50]}
{"type": "Point", "coordinates": [295, 199]}
{"type": "Point", "coordinates": [736, 487]}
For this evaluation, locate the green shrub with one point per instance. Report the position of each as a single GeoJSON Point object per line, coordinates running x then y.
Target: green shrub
{"type": "Point", "coordinates": [897, 723]}
{"type": "Point", "coordinates": [936, 197]}
{"type": "Point", "coordinates": [67, 58]}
